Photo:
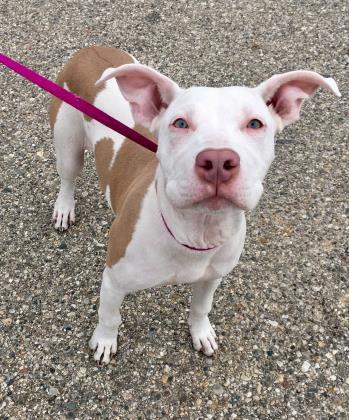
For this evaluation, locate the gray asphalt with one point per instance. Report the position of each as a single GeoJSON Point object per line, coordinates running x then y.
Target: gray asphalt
{"type": "Point", "coordinates": [282, 316]}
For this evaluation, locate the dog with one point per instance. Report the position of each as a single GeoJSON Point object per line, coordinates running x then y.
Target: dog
{"type": "Point", "coordinates": [180, 213]}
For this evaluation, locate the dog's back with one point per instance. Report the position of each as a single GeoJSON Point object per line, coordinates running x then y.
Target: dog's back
{"type": "Point", "coordinates": [82, 71]}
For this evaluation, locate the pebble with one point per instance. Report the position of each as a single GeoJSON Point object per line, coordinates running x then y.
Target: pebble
{"type": "Point", "coordinates": [280, 378]}
{"type": "Point", "coordinates": [52, 391]}
{"type": "Point", "coordinates": [217, 389]}
{"type": "Point", "coordinates": [7, 321]}
{"type": "Point", "coordinates": [71, 406]}
{"type": "Point", "coordinates": [165, 374]}
{"type": "Point", "coordinates": [305, 366]}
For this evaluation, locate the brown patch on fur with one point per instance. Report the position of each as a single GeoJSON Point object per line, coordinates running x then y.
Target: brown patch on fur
{"type": "Point", "coordinates": [103, 155]}
{"type": "Point", "coordinates": [123, 226]}
{"type": "Point", "coordinates": [83, 70]}
{"type": "Point", "coordinates": [128, 178]}
{"type": "Point", "coordinates": [55, 104]}
{"type": "Point", "coordinates": [53, 110]}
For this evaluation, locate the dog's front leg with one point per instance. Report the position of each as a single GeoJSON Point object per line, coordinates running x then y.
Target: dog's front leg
{"type": "Point", "coordinates": [201, 330]}
{"type": "Point", "coordinates": [104, 338]}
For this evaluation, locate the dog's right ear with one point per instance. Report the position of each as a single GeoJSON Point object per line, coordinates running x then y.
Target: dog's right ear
{"type": "Point", "coordinates": [147, 91]}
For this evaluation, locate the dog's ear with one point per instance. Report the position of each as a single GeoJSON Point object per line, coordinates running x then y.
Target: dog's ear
{"type": "Point", "coordinates": [285, 93]}
{"type": "Point", "coordinates": [147, 91]}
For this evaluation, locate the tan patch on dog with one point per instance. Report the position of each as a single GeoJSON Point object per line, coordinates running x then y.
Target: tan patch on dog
{"type": "Point", "coordinates": [104, 154]}
{"type": "Point", "coordinates": [83, 70]}
{"type": "Point", "coordinates": [123, 226]}
{"type": "Point", "coordinates": [53, 110]}
{"type": "Point", "coordinates": [128, 178]}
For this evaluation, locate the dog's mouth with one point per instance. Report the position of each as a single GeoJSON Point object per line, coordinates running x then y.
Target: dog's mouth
{"type": "Point", "coordinates": [215, 203]}
{"type": "Point", "coordinates": [204, 197]}
{"type": "Point", "coordinates": [220, 197]}
{"type": "Point", "coordinates": [217, 200]}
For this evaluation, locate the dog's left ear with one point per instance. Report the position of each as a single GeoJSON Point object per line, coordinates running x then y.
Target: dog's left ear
{"type": "Point", "coordinates": [285, 93]}
{"type": "Point", "coordinates": [148, 91]}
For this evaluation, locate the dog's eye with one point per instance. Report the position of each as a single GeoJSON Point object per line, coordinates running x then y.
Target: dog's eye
{"type": "Point", "coordinates": [180, 123]}
{"type": "Point", "coordinates": [255, 124]}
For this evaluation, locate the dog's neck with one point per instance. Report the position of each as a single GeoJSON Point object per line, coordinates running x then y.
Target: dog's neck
{"type": "Point", "coordinates": [197, 228]}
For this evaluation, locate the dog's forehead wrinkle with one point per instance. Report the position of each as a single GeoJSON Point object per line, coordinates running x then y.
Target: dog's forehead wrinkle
{"type": "Point", "coordinates": [223, 101]}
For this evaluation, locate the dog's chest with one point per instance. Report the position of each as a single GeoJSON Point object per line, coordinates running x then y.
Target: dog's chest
{"type": "Point", "coordinates": [191, 273]}
{"type": "Point", "coordinates": [187, 267]}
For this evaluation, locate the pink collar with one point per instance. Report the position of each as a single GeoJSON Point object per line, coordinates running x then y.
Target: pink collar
{"type": "Point", "coordinates": [187, 246]}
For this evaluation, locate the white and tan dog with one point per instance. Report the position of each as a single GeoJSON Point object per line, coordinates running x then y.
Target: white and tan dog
{"type": "Point", "coordinates": [179, 213]}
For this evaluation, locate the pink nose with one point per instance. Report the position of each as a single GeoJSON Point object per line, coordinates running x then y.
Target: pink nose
{"type": "Point", "coordinates": [216, 166]}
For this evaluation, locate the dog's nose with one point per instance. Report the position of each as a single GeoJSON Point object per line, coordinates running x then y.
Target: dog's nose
{"type": "Point", "coordinates": [216, 166]}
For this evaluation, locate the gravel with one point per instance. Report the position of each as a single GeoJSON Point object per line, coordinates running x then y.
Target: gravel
{"type": "Point", "coordinates": [282, 316]}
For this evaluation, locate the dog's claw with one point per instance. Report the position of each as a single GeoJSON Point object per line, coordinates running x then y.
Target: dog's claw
{"type": "Point", "coordinates": [103, 347]}
{"type": "Point", "coordinates": [203, 336]}
{"type": "Point", "coordinates": [63, 214]}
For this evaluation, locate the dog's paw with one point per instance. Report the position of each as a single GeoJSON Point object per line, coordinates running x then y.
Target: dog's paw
{"type": "Point", "coordinates": [63, 214]}
{"type": "Point", "coordinates": [104, 346]}
{"type": "Point", "coordinates": [203, 335]}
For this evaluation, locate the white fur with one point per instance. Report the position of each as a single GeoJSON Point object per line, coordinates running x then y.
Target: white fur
{"type": "Point", "coordinates": [218, 125]}
{"type": "Point", "coordinates": [107, 196]}
{"type": "Point", "coordinates": [111, 101]}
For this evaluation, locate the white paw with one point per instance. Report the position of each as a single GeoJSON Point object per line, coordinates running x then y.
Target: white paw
{"type": "Point", "coordinates": [203, 335]}
{"type": "Point", "coordinates": [64, 214]}
{"type": "Point", "coordinates": [103, 345]}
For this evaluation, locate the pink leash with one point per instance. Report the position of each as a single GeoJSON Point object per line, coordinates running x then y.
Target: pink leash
{"type": "Point", "coordinates": [78, 103]}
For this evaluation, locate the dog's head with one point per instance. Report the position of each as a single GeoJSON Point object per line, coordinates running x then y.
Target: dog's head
{"type": "Point", "coordinates": [215, 145]}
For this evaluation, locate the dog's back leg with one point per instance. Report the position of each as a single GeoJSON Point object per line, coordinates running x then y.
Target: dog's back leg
{"type": "Point", "coordinates": [69, 136]}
